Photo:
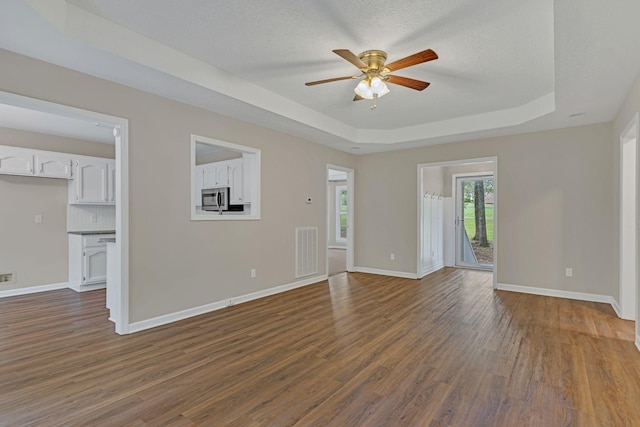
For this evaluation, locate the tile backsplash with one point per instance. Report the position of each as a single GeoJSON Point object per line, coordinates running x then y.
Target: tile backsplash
{"type": "Point", "coordinates": [82, 217]}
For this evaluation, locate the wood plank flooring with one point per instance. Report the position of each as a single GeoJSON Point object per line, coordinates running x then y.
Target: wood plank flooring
{"type": "Point", "coordinates": [359, 350]}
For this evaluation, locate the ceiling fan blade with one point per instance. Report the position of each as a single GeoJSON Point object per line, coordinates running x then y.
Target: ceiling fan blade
{"type": "Point", "coordinates": [351, 57]}
{"type": "Point", "coordinates": [317, 82]}
{"type": "Point", "coordinates": [416, 58]}
{"type": "Point", "coordinates": [407, 82]}
{"type": "Point", "coordinates": [357, 97]}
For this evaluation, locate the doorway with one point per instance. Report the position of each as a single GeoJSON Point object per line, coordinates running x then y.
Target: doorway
{"type": "Point", "coordinates": [474, 220]}
{"type": "Point", "coordinates": [121, 139]}
{"type": "Point", "coordinates": [628, 218]}
{"type": "Point", "coordinates": [437, 245]}
{"type": "Point", "coordinates": [339, 220]}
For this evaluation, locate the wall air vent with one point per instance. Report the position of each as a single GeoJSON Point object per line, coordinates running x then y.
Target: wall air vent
{"type": "Point", "coordinates": [306, 251]}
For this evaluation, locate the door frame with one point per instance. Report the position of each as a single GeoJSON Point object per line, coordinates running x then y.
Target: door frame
{"type": "Point", "coordinates": [350, 217]}
{"type": "Point", "coordinates": [121, 138]}
{"type": "Point", "coordinates": [454, 194]}
{"type": "Point", "coordinates": [420, 194]}
{"type": "Point", "coordinates": [629, 298]}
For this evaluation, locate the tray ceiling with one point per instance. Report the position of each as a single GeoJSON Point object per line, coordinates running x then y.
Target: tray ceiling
{"type": "Point", "coordinates": [504, 67]}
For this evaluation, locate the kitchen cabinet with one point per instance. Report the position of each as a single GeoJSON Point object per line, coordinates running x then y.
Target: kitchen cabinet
{"type": "Point", "coordinates": [53, 165]}
{"type": "Point", "coordinates": [215, 175]}
{"type": "Point", "coordinates": [87, 261]}
{"type": "Point", "coordinates": [228, 173]}
{"type": "Point", "coordinates": [16, 161]}
{"type": "Point", "coordinates": [94, 181]}
{"type": "Point", "coordinates": [39, 163]}
{"type": "Point", "coordinates": [234, 168]}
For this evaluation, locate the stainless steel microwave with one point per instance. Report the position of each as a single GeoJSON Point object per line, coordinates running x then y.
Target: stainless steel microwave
{"type": "Point", "coordinates": [217, 199]}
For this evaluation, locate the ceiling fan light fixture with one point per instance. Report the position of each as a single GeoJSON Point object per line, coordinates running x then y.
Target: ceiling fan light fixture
{"type": "Point", "coordinates": [367, 88]}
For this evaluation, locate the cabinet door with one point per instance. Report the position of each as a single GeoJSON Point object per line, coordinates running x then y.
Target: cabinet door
{"type": "Point", "coordinates": [209, 176]}
{"type": "Point", "coordinates": [197, 196]}
{"type": "Point", "coordinates": [215, 175]}
{"type": "Point", "coordinates": [112, 182]}
{"type": "Point", "coordinates": [94, 265]}
{"type": "Point", "coordinates": [222, 174]}
{"type": "Point", "coordinates": [53, 165]}
{"type": "Point", "coordinates": [236, 181]}
{"type": "Point", "coordinates": [16, 161]}
{"type": "Point", "coordinates": [91, 182]}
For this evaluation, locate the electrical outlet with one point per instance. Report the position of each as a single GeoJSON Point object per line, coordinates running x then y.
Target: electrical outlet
{"type": "Point", "coordinates": [568, 272]}
{"type": "Point", "coordinates": [94, 219]}
{"type": "Point", "coordinates": [392, 256]}
{"type": "Point", "coordinates": [38, 219]}
{"type": "Point", "coordinates": [6, 278]}
{"type": "Point", "coordinates": [253, 273]}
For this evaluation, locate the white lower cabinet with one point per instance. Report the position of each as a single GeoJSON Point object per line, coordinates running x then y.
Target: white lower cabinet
{"type": "Point", "coordinates": [87, 261]}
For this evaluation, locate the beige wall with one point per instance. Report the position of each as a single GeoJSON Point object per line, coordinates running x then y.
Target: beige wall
{"type": "Point", "coordinates": [554, 206]}
{"type": "Point", "coordinates": [449, 171]}
{"type": "Point", "coordinates": [175, 263]}
{"type": "Point", "coordinates": [555, 198]}
{"type": "Point", "coordinates": [627, 111]}
{"type": "Point", "coordinates": [37, 253]}
{"type": "Point", "coordinates": [433, 180]}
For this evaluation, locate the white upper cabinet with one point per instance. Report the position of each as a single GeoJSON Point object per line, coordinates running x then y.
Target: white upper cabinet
{"type": "Point", "coordinates": [235, 181]}
{"type": "Point", "coordinates": [228, 173]}
{"type": "Point", "coordinates": [39, 163]}
{"type": "Point", "coordinates": [16, 161]}
{"type": "Point", "coordinates": [215, 175]}
{"type": "Point", "coordinates": [94, 181]}
{"type": "Point", "coordinates": [111, 164]}
{"type": "Point", "coordinates": [53, 165]}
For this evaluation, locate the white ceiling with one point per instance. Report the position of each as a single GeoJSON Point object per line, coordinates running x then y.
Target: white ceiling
{"type": "Point", "coordinates": [504, 66]}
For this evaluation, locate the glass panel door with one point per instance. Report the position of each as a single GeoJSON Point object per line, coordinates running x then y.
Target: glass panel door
{"type": "Point", "coordinates": [474, 221]}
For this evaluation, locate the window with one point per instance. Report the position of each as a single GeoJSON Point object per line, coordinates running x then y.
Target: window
{"type": "Point", "coordinates": [341, 213]}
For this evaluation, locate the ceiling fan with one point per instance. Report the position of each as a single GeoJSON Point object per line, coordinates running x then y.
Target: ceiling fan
{"type": "Point", "coordinates": [375, 72]}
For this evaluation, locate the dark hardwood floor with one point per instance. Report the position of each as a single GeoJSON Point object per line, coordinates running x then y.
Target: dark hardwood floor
{"type": "Point", "coordinates": [359, 350]}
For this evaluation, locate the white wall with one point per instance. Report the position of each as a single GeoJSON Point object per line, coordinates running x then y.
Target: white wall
{"type": "Point", "coordinates": [629, 108]}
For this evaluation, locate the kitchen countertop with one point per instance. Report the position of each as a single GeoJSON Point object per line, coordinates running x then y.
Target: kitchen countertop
{"type": "Point", "coordinates": [85, 233]}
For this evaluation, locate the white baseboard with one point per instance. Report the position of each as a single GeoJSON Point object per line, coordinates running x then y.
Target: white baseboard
{"type": "Point", "coordinates": [638, 342]}
{"type": "Point", "coordinates": [431, 270]}
{"type": "Point", "coordinates": [581, 296]}
{"type": "Point", "coordinates": [33, 289]}
{"type": "Point", "coordinates": [616, 307]}
{"type": "Point", "coordinates": [196, 311]}
{"type": "Point", "coordinates": [391, 273]}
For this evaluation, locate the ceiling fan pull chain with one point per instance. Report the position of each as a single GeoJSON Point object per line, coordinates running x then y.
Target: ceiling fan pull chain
{"type": "Point", "coordinates": [373, 104]}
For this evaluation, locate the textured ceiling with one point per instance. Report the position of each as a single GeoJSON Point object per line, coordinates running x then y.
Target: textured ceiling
{"type": "Point", "coordinates": [504, 66]}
